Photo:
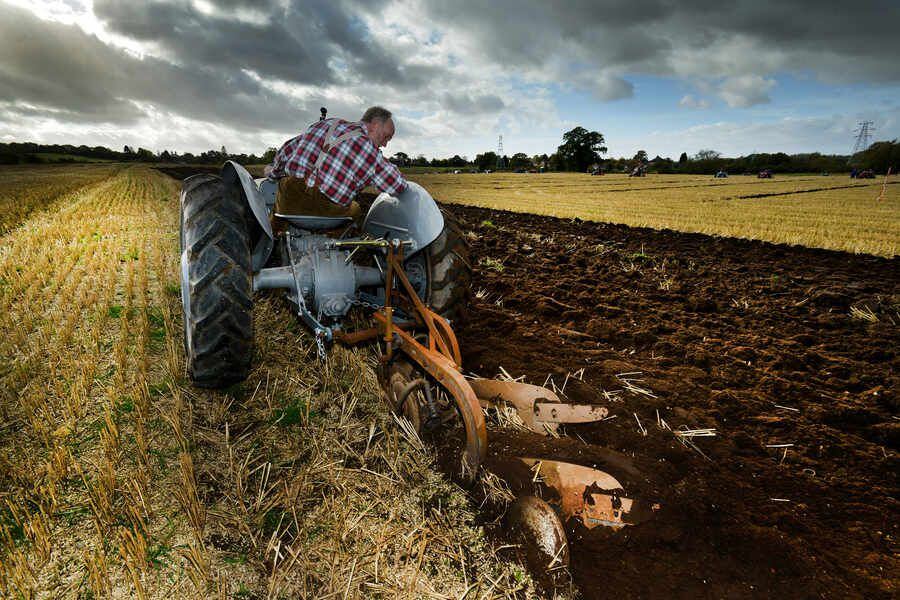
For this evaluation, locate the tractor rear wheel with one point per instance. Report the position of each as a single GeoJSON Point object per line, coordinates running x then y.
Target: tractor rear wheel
{"type": "Point", "coordinates": [449, 271]}
{"type": "Point", "coordinates": [216, 285]}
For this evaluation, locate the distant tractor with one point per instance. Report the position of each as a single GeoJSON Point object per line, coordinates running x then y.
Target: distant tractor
{"type": "Point", "coordinates": [721, 175]}
{"type": "Point", "coordinates": [866, 174]}
{"type": "Point", "coordinates": [765, 174]}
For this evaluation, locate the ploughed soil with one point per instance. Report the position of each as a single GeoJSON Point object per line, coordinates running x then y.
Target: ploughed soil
{"type": "Point", "coordinates": [796, 495]}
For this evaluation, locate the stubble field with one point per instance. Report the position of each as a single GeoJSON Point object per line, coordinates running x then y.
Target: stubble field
{"type": "Point", "coordinates": [833, 212]}
{"type": "Point", "coordinates": [27, 188]}
{"type": "Point", "coordinates": [117, 478]}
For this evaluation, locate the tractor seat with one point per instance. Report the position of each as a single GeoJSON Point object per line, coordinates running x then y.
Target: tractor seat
{"type": "Point", "coordinates": [313, 223]}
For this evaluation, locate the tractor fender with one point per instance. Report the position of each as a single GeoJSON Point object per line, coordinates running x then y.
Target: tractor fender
{"type": "Point", "coordinates": [236, 177]}
{"type": "Point", "coordinates": [412, 215]}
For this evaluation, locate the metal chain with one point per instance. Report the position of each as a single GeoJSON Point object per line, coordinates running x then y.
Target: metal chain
{"type": "Point", "coordinates": [320, 346]}
{"type": "Point", "coordinates": [365, 304]}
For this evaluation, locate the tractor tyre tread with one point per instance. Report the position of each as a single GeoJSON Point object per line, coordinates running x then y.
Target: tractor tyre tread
{"type": "Point", "coordinates": [450, 269]}
{"type": "Point", "coordinates": [216, 236]}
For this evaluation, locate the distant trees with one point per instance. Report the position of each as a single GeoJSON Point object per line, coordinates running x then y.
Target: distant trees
{"type": "Point", "coordinates": [580, 149]}
{"type": "Point", "coordinates": [705, 161]}
{"type": "Point", "coordinates": [31, 152]}
{"type": "Point", "coordinates": [486, 161]}
{"type": "Point", "coordinates": [707, 155]}
{"type": "Point", "coordinates": [145, 155]}
{"type": "Point", "coordinates": [555, 163]}
{"type": "Point", "coordinates": [420, 161]}
{"type": "Point", "coordinates": [663, 165]}
{"type": "Point", "coordinates": [710, 162]}
{"type": "Point", "coordinates": [879, 157]}
{"type": "Point", "coordinates": [401, 159]}
{"type": "Point", "coordinates": [777, 162]}
{"type": "Point", "coordinates": [520, 160]}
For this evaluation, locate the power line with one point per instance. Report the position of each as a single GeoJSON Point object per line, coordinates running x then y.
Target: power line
{"type": "Point", "coordinates": [863, 136]}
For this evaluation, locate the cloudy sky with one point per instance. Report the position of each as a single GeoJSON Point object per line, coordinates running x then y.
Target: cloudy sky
{"type": "Point", "coordinates": [662, 75]}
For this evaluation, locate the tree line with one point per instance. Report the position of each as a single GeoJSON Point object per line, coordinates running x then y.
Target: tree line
{"type": "Point", "coordinates": [30, 152]}
{"type": "Point", "coordinates": [581, 150]}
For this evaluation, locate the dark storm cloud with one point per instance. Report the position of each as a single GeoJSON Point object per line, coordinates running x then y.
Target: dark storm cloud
{"type": "Point", "coordinates": [316, 42]}
{"type": "Point", "coordinates": [73, 76]}
{"type": "Point", "coordinates": [226, 67]}
{"type": "Point", "coordinates": [842, 41]}
{"type": "Point", "coordinates": [462, 103]}
{"type": "Point", "coordinates": [836, 40]}
{"type": "Point", "coordinates": [222, 43]}
{"type": "Point", "coordinates": [58, 68]}
{"type": "Point", "coordinates": [213, 65]}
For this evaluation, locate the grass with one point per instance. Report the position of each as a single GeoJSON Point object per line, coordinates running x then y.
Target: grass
{"type": "Point", "coordinates": [831, 212]}
{"type": "Point", "coordinates": [119, 479]}
{"type": "Point", "coordinates": [492, 264]}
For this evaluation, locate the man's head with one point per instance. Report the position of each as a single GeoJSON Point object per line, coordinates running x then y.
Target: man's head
{"type": "Point", "coordinates": [380, 125]}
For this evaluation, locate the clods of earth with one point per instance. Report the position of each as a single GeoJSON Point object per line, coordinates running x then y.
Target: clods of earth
{"type": "Point", "coordinates": [790, 354]}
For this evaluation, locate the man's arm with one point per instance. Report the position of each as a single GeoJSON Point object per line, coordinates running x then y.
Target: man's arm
{"type": "Point", "coordinates": [387, 177]}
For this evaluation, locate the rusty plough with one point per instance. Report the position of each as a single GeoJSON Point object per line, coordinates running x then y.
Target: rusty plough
{"type": "Point", "coordinates": [540, 410]}
{"type": "Point", "coordinates": [422, 378]}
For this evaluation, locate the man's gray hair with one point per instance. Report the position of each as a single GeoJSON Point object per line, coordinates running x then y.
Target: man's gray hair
{"type": "Point", "coordinates": [376, 113]}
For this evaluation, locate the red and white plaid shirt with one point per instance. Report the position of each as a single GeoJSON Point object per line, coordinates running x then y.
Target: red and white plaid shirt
{"type": "Point", "coordinates": [347, 167]}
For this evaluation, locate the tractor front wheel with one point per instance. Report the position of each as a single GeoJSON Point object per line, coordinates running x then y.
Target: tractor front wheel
{"type": "Point", "coordinates": [216, 284]}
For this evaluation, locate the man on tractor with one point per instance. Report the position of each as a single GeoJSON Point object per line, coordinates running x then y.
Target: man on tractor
{"type": "Point", "coordinates": [321, 171]}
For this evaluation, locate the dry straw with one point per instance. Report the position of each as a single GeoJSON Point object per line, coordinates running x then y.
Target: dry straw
{"type": "Point", "coordinates": [124, 481]}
